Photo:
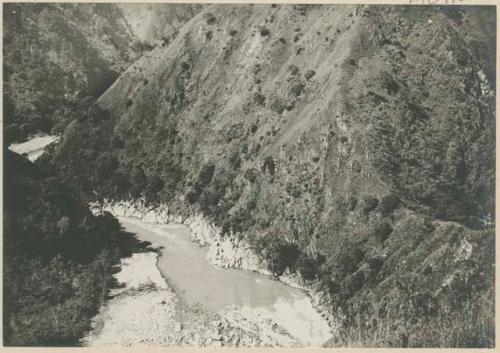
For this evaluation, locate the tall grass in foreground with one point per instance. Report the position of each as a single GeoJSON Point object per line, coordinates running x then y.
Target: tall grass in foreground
{"type": "Point", "coordinates": [471, 326]}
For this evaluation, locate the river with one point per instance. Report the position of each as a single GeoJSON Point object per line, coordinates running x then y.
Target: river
{"type": "Point", "coordinates": [196, 282]}
{"type": "Point", "coordinates": [34, 147]}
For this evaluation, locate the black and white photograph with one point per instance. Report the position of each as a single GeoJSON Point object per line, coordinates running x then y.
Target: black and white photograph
{"type": "Point", "coordinates": [245, 175]}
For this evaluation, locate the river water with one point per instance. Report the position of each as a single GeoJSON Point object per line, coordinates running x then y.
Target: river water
{"type": "Point", "coordinates": [34, 147]}
{"type": "Point", "coordinates": [197, 282]}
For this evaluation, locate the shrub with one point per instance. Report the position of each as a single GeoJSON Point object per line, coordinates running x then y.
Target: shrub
{"type": "Point", "coordinates": [370, 203]}
{"type": "Point", "coordinates": [210, 19]}
{"type": "Point", "coordinates": [235, 159]}
{"type": "Point", "coordinates": [278, 105]}
{"type": "Point", "coordinates": [352, 284]}
{"type": "Point", "coordinates": [253, 129]}
{"type": "Point", "coordinates": [205, 175]}
{"type": "Point", "coordinates": [293, 69]}
{"type": "Point", "coordinates": [309, 74]}
{"type": "Point", "coordinates": [388, 204]}
{"type": "Point", "coordinates": [153, 186]}
{"type": "Point", "coordinates": [259, 98]}
{"type": "Point", "coordinates": [193, 195]}
{"type": "Point", "coordinates": [293, 190]}
{"type": "Point", "coordinates": [269, 165]}
{"type": "Point", "coordinates": [375, 264]}
{"type": "Point", "coordinates": [264, 32]}
{"type": "Point", "coordinates": [307, 267]}
{"type": "Point", "coordinates": [296, 89]}
{"type": "Point", "coordinates": [141, 46]}
{"type": "Point", "coordinates": [251, 175]}
{"type": "Point", "coordinates": [353, 201]}
{"type": "Point", "coordinates": [279, 254]}
{"type": "Point", "coordinates": [382, 231]}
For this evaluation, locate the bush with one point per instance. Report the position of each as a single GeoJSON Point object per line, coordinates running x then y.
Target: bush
{"type": "Point", "coordinates": [210, 19]}
{"type": "Point", "coordinates": [205, 175]}
{"type": "Point", "coordinates": [382, 231]}
{"type": "Point", "coordinates": [235, 159]}
{"type": "Point", "coordinates": [296, 89]}
{"type": "Point", "coordinates": [370, 203]}
{"type": "Point", "coordinates": [309, 74]}
{"type": "Point", "coordinates": [278, 105]}
{"type": "Point", "coordinates": [307, 267]}
{"type": "Point", "coordinates": [251, 175]}
{"type": "Point", "coordinates": [344, 255]}
{"type": "Point", "coordinates": [293, 69]}
{"type": "Point", "coordinates": [353, 202]}
{"type": "Point", "coordinates": [278, 254]}
{"type": "Point", "coordinates": [264, 32]}
{"type": "Point", "coordinates": [141, 46]}
{"type": "Point", "coordinates": [268, 165]}
{"type": "Point", "coordinates": [259, 98]}
{"type": "Point", "coordinates": [388, 204]}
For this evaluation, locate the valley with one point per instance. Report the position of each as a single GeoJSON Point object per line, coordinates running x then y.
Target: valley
{"type": "Point", "coordinates": [257, 175]}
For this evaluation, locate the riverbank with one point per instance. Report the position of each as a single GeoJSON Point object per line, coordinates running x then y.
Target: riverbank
{"type": "Point", "coordinates": [228, 253]}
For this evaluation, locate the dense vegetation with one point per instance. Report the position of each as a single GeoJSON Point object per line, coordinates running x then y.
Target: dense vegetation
{"type": "Point", "coordinates": [100, 162]}
{"type": "Point", "coordinates": [58, 258]}
{"type": "Point", "coordinates": [433, 124]}
{"type": "Point", "coordinates": [382, 197]}
{"type": "Point", "coordinates": [55, 55]}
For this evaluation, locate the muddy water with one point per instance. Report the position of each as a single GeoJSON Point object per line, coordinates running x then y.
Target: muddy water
{"type": "Point", "coordinates": [196, 281]}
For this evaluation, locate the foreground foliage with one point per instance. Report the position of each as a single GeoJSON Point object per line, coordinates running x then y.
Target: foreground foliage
{"type": "Point", "coordinates": [58, 258]}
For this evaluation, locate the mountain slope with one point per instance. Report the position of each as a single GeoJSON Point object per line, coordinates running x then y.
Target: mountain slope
{"type": "Point", "coordinates": [56, 54]}
{"type": "Point", "coordinates": [353, 145]}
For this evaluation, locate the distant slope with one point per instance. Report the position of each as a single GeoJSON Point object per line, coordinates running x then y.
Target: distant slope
{"type": "Point", "coordinates": [359, 139]}
{"type": "Point", "coordinates": [153, 23]}
{"type": "Point", "coordinates": [56, 54]}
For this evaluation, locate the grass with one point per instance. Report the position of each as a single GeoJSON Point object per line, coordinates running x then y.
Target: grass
{"type": "Point", "coordinates": [471, 326]}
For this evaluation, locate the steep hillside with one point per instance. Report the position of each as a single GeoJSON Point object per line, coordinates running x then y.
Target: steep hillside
{"type": "Point", "coordinates": [56, 54]}
{"type": "Point", "coordinates": [352, 145]}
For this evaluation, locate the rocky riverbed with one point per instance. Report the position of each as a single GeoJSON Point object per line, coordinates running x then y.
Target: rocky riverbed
{"type": "Point", "coordinates": [152, 308]}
